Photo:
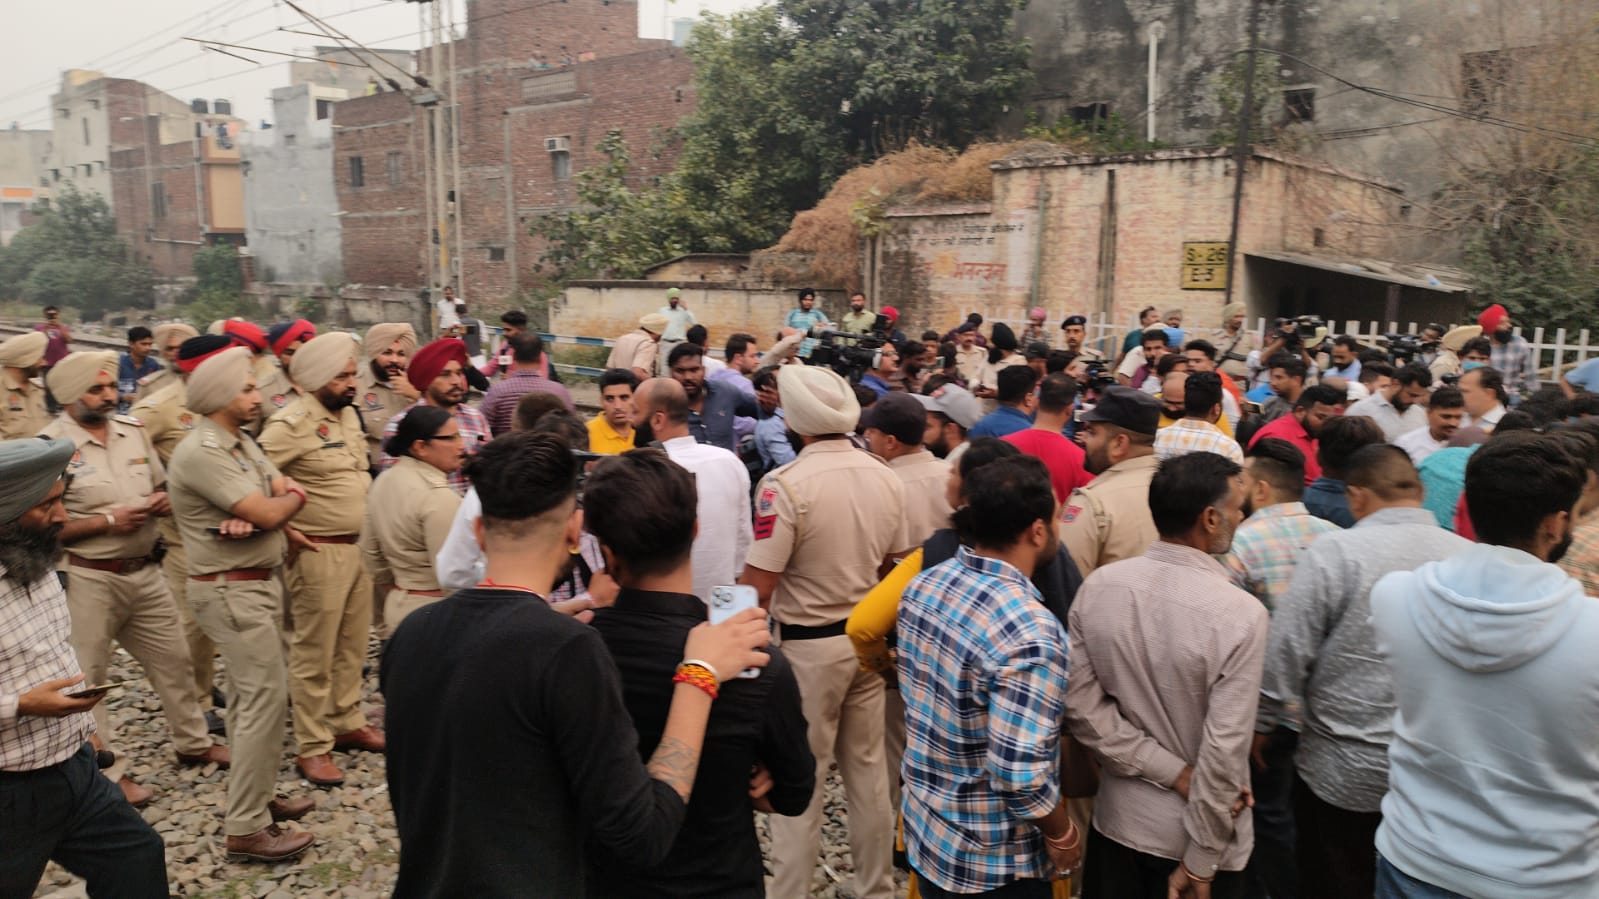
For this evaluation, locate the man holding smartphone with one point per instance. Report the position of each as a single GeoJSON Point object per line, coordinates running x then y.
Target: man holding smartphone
{"type": "Point", "coordinates": [114, 587]}
{"type": "Point", "coordinates": [641, 507]}
{"type": "Point", "coordinates": [78, 819]}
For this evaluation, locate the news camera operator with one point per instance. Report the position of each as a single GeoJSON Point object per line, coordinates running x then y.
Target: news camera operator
{"type": "Point", "coordinates": [1302, 337]}
{"type": "Point", "coordinates": [855, 354]}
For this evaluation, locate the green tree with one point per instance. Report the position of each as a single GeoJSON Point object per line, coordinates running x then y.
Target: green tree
{"type": "Point", "coordinates": [73, 257]}
{"type": "Point", "coordinates": [216, 270]}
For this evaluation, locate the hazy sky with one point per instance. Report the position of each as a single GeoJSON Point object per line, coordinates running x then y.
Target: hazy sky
{"type": "Point", "coordinates": [143, 41]}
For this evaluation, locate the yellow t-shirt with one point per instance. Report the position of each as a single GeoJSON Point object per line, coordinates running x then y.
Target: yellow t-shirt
{"type": "Point", "coordinates": [603, 438]}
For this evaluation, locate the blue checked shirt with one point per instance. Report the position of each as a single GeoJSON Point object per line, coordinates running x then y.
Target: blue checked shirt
{"type": "Point", "coordinates": [1514, 360]}
{"type": "Point", "coordinates": [1268, 544]}
{"type": "Point", "coordinates": [982, 670]}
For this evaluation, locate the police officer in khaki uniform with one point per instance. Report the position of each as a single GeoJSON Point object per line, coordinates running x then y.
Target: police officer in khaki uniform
{"type": "Point", "coordinates": [168, 338]}
{"type": "Point", "coordinates": [114, 590]}
{"type": "Point", "coordinates": [167, 421]}
{"type": "Point", "coordinates": [319, 443]}
{"type": "Point", "coordinates": [383, 390]}
{"type": "Point", "coordinates": [23, 411]}
{"type": "Point", "coordinates": [233, 509]}
{"type": "Point", "coordinates": [826, 526]}
{"type": "Point", "coordinates": [410, 510]}
{"type": "Point", "coordinates": [1109, 519]}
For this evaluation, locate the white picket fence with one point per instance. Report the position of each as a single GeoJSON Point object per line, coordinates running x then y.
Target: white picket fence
{"type": "Point", "coordinates": [1553, 355]}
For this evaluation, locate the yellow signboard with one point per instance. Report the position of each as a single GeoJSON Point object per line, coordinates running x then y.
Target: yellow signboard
{"type": "Point", "coordinates": [1204, 265]}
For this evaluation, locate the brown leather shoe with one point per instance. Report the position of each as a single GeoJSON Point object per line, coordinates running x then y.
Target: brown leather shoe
{"type": "Point", "coordinates": [368, 738]}
{"type": "Point", "coordinates": [320, 770]}
{"type": "Point", "coordinates": [286, 809]}
{"type": "Point", "coordinates": [215, 754]}
{"type": "Point", "coordinates": [269, 844]}
{"type": "Point", "coordinates": [137, 796]}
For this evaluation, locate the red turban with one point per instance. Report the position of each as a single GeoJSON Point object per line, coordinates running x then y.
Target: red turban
{"type": "Point", "coordinates": [431, 359]}
{"type": "Point", "coordinates": [892, 313]}
{"type": "Point", "coordinates": [284, 334]}
{"type": "Point", "coordinates": [246, 334]}
{"type": "Point", "coordinates": [1491, 318]}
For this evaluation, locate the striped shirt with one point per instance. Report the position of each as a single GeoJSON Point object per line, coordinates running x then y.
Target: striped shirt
{"type": "Point", "coordinates": [1166, 658]}
{"type": "Point", "coordinates": [1268, 544]}
{"type": "Point", "coordinates": [34, 648]}
{"type": "Point", "coordinates": [982, 670]}
{"type": "Point", "coordinates": [1192, 435]}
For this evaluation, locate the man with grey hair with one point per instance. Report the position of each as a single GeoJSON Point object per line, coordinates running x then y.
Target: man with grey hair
{"type": "Point", "coordinates": [75, 817]}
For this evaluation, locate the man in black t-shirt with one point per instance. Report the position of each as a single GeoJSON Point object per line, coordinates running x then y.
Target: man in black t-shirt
{"type": "Point", "coordinates": [641, 507]}
{"type": "Point", "coordinates": [509, 747]}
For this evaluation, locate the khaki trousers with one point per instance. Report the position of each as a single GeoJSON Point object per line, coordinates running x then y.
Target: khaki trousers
{"type": "Point", "coordinates": [242, 617]}
{"type": "Point", "coordinates": [135, 610]}
{"type": "Point", "coordinates": [330, 594]}
{"type": "Point", "coordinates": [202, 652]}
{"type": "Point", "coordinates": [844, 708]}
{"type": "Point", "coordinates": [399, 604]}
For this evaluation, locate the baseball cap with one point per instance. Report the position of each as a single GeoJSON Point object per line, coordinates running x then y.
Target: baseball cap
{"type": "Point", "coordinates": [1126, 408]}
{"type": "Point", "coordinates": [1037, 350]}
{"type": "Point", "coordinates": [898, 415]}
{"type": "Point", "coordinates": [955, 402]}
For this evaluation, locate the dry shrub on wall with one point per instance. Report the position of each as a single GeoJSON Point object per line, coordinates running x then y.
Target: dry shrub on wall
{"type": "Point", "coordinates": [831, 233]}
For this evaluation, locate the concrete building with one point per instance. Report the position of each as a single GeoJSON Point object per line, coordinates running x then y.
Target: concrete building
{"type": "Point", "coordinates": [93, 115]}
{"type": "Point", "coordinates": [22, 177]}
{"type": "Point", "coordinates": [291, 206]}
{"type": "Point", "coordinates": [1157, 64]}
{"type": "Point", "coordinates": [173, 198]}
{"type": "Point", "coordinates": [538, 87]}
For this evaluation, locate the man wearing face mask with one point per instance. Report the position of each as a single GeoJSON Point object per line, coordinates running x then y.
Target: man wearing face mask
{"type": "Point", "coordinates": [1323, 660]}
{"type": "Point", "coordinates": [1511, 355]}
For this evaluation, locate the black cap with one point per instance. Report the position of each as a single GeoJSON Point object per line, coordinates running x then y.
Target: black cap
{"type": "Point", "coordinates": [1127, 408]}
{"type": "Point", "coordinates": [1037, 350]}
{"type": "Point", "coordinates": [898, 415]}
{"type": "Point", "coordinates": [1074, 320]}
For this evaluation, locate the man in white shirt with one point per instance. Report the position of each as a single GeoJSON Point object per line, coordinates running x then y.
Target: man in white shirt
{"type": "Point", "coordinates": [1484, 392]}
{"type": "Point", "coordinates": [1444, 413]}
{"type": "Point", "coordinates": [1401, 407]}
{"type": "Point", "coordinates": [449, 317]}
{"type": "Point", "coordinates": [660, 415]}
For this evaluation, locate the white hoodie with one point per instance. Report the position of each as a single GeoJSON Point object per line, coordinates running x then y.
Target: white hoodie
{"type": "Point", "coordinates": [1494, 766]}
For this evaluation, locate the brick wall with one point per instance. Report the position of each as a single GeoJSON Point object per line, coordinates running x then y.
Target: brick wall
{"type": "Point", "coordinates": [525, 72]}
{"type": "Point", "coordinates": [167, 241]}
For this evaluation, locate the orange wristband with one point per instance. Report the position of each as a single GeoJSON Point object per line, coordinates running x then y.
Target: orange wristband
{"type": "Point", "coordinates": [697, 676]}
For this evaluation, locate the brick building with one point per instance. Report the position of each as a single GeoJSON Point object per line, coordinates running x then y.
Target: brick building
{"type": "Point", "coordinates": [171, 199]}
{"type": "Point", "coordinates": [538, 87]}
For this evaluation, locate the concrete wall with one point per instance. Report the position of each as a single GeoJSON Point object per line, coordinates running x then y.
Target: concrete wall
{"type": "Point", "coordinates": [21, 165]}
{"type": "Point", "coordinates": [1096, 51]}
{"type": "Point", "coordinates": [612, 308]}
{"type": "Point", "coordinates": [1112, 234]}
{"type": "Point", "coordinates": [291, 205]}
{"type": "Point", "coordinates": [93, 116]}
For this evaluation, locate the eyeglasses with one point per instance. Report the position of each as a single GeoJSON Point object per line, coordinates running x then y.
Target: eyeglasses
{"type": "Point", "coordinates": [455, 436]}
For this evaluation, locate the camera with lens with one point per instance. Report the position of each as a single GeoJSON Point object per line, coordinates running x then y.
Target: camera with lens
{"type": "Point", "coordinates": [1304, 331]}
{"type": "Point", "coordinates": [1097, 375]}
{"type": "Point", "coordinates": [1403, 348]}
{"type": "Point", "coordinates": [850, 360]}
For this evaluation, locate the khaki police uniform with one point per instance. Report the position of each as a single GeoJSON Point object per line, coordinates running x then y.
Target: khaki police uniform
{"type": "Point", "coordinates": [23, 412]}
{"type": "Point", "coordinates": [825, 522]}
{"type": "Point", "coordinates": [1090, 354]}
{"type": "Point", "coordinates": [408, 515]}
{"type": "Point", "coordinates": [277, 389]}
{"type": "Point", "coordinates": [160, 379]}
{"type": "Point", "coordinates": [1108, 520]}
{"type": "Point", "coordinates": [378, 403]}
{"type": "Point", "coordinates": [114, 588]}
{"type": "Point", "coordinates": [635, 349]}
{"type": "Point", "coordinates": [1241, 344]}
{"type": "Point", "coordinates": [237, 599]}
{"type": "Point", "coordinates": [972, 364]}
{"type": "Point", "coordinates": [166, 422]}
{"type": "Point", "coordinates": [330, 593]}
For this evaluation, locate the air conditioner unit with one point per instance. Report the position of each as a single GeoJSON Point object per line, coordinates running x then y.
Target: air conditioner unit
{"type": "Point", "coordinates": [557, 144]}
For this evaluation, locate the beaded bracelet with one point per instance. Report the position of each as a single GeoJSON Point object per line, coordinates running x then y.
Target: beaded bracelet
{"type": "Point", "coordinates": [696, 676]}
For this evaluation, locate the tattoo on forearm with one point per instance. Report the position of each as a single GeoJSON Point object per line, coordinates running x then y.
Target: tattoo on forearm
{"type": "Point", "coordinates": [674, 764]}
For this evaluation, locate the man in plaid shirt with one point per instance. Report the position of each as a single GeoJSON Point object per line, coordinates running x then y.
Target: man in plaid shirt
{"type": "Point", "coordinates": [982, 669]}
{"type": "Point", "coordinates": [1511, 353]}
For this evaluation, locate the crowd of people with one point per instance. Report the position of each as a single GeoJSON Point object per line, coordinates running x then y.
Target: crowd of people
{"type": "Point", "coordinates": [1224, 615]}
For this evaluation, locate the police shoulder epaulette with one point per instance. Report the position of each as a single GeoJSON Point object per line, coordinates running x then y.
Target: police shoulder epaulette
{"type": "Point", "coordinates": [129, 420]}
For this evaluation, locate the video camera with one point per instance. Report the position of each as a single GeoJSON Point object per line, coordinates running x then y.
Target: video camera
{"type": "Point", "coordinates": [1307, 331]}
{"type": "Point", "coordinates": [1098, 375]}
{"type": "Point", "coordinates": [850, 361]}
{"type": "Point", "coordinates": [1403, 348]}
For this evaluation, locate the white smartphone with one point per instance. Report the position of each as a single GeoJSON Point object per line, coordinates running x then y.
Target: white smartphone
{"type": "Point", "coordinates": [729, 601]}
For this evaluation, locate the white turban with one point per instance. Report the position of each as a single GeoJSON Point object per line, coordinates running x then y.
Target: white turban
{"type": "Point", "coordinates": [320, 359]}
{"type": "Point", "coordinates": [816, 401]}
{"type": "Point", "coordinates": [217, 381]}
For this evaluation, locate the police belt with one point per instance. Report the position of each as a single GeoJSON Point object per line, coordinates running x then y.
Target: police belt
{"type": "Point", "coordinates": [804, 632]}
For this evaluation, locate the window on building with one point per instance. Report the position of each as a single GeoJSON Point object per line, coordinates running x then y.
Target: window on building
{"type": "Point", "coordinates": [288, 140]}
{"type": "Point", "coordinates": [394, 165]}
{"type": "Point", "coordinates": [561, 164]}
{"type": "Point", "coordinates": [158, 201]}
{"type": "Point", "coordinates": [496, 254]}
{"type": "Point", "coordinates": [86, 132]}
{"type": "Point", "coordinates": [1485, 82]}
{"type": "Point", "coordinates": [1300, 104]}
{"type": "Point", "coordinates": [324, 108]}
{"type": "Point", "coordinates": [357, 172]}
{"type": "Point", "coordinates": [1090, 114]}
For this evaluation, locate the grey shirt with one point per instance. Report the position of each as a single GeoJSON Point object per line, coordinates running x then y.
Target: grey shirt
{"type": "Point", "coordinates": [1322, 656]}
